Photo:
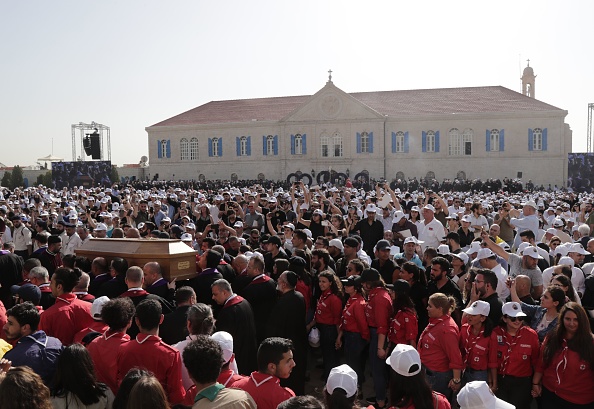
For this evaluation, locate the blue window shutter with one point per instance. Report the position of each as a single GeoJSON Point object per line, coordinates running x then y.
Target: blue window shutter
{"type": "Point", "coordinates": [406, 142]}
{"type": "Point", "coordinates": [220, 146]}
{"type": "Point", "coordinates": [238, 145]}
{"type": "Point", "coordinates": [168, 148]}
{"type": "Point", "coordinates": [436, 141]}
{"type": "Point", "coordinates": [264, 150]}
{"type": "Point", "coordinates": [248, 148]}
{"type": "Point", "coordinates": [159, 149]}
{"type": "Point", "coordinates": [488, 140]}
{"type": "Point", "coordinates": [501, 141]}
{"type": "Point", "coordinates": [424, 141]}
{"type": "Point", "coordinates": [370, 142]}
{"type": "Point", "coordinates": [393, 142]}
{"type": "Point", "coordinates": [209, 146]}
{"type": "Point", "coordinates": [292, 144]}
{"type": "Point", "coordinates": [530, 139]}
{"type": "Point", "coordinates": [358, 142]}
{"type": "Point", "coordinates": [544, 139]}
{"type": "Point", "coordinates": [303, 144]}
{"type": "Point", "coordinates": [275, 144]}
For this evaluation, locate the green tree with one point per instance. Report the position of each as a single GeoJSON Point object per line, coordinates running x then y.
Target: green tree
{"type": "Point", "coordinates": [48, 180]}
{"type": "Point", "coordinates": [115, 177]}
{"type": "Point", "coordinates": [7, 180]}
{"type": "Point", "coordinates": [17, 177]}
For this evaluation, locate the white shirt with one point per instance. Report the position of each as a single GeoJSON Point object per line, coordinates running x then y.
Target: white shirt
{"type": "Point", "coordinates": [502, 290]}
{"type": "Point", "coordinates": [431, 234]}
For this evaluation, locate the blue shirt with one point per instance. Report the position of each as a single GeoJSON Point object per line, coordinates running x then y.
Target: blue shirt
{"type": "Point", "coordinates": [39, 352]}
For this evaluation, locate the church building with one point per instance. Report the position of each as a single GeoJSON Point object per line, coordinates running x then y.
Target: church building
{"type": "Point", "coordinates": [475, 132]}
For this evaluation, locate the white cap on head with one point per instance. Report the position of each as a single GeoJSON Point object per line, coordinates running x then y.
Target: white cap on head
{"type": "Point", "coordinates": [531, 251]}
{"type": "Point", "coordinates": [336, 243]}
{"type": "Point", "coordinates": [342, 377]}
{"type": "Point", "coordinates": [429, 207]}
{"type": "Point", "coordinates": [483, 254]}
{"type": "Point", "coordinates": [478, 308]}
{"type": "Point", "coordinates": [443, 250]}
{"type": "Point", "coordinates": [512, 309]}
{"type": "Point", "coordinates": [412, 239]}
{"type": "Point", "coordinates": [578, 248]}
{"type": "Point", "coordinates": [566, 261]}
{"type": "Point", "coordinates": [225, 340]}
{"type": "Point", "coordinates": [405, 360]}
{"type": "Point", "coordinates": [478, 395]}
{"type": "Point", "coordinates": [97, 306]}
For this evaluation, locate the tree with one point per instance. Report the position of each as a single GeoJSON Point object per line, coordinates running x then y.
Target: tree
{"type": "Point", "coordinates": [115, 177]}
{"type": "Point", "coordinates": [17, 177]}
{"type": "Point", "coordinates": [48, 180]}
{"type": "Point", "coordinates": [7, 180]}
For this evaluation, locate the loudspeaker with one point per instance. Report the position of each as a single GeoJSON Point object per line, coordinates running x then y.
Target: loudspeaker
{"type": "Point", "coordinates": [95, 146]}
{"type": "Point", "coordinates": [87, 145]}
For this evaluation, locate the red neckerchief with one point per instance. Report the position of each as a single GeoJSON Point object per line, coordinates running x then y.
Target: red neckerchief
{"type": "Point", "coordinates": [133, 293]}
{"type": "Point", "coordinates": [510, 345]}
{"type": "Point", "coordinates": [233, 301]}
{"type": "Point", "coordinates": [471, 341]}
{"type": "Point", "coordinates": [262, 278]}
{"type": "Point", "coordinates": [436, 321]}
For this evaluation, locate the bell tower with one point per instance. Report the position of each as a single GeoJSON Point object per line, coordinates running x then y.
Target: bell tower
{"type": "Point", "coordinates": [528, 80]}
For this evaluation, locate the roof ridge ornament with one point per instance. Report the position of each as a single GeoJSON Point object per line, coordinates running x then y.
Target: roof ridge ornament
{"type": "Point", "coordinates": [330, 75]}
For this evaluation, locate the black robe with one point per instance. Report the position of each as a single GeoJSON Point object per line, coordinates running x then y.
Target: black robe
{"type": "Point", "coordinates": [201, 285]}
{"type": "Point", "coordinates": [261, 294]}
{"type": "Point", "coordinates": [237, 319]}
{"type": "Point", "coordinates": [287, 320]}
{"type": "Point", "coordinates": [174, 327]}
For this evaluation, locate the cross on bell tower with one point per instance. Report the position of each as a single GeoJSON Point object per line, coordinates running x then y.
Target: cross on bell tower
{"type": "Point", "coordinates": [528, 81]}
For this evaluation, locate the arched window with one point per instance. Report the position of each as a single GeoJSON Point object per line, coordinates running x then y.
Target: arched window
{"type": "Point", "coordinates": [243, 143]}
{"type": "Point", "coordinates": [537, 139]}
{"type": "Point", "coordinates": [494, 140]}
{"type": "Point", "coordinates": [430, 141]}
{"type": "Point", "coordinates": [324, 148]}
{"type": "Point", "coordinates": [194, 149]}
{"type": "Point", "coordinates": [163, 148]}
{"type": "Point", "coordinates": [215, 146]}
{"type": "Point", "coordinates": [454, 146]}
{"type": "Point", "coordinates": [467, 141]}
{"type": "Point", "coordinates": [270, 145]}
{"type": "Point", "coordinates": [337, 144]}
{"type": "Point", "coordinates": [298, 144]}
{"type": "Point", "coordinates": [184, 147]}
{"type": "Point", "coordinates": [460, 144]}
{"type": "Point", "coordinates": [234, 177]}
{"type": "Point", "coordinates": [364, 142]}
{"type": "Point", "coordinates": [400, 142]}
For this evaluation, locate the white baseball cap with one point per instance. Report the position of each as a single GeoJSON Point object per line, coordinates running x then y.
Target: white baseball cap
{"type": "Point", "coordinates": [371, 208]}
{"type": "Point", "coordinates": [512, 309]}
{"type": "Point", "coordinates": [566, 261]}
{"type": "Point", "coordinates": [398, 215]}
{"type": "Point", "coordinates": [97, 306]}
{"type": "Point", "coordinates": [462, 256]}
{"type": "Point", "coordinates": [578, 248]}
{"type": "Point", "coordinates": [478, 308]}
{"type": "Point", "coordinates": [478, 395]}
{"type": "Point", "coordinates": [342, 377]}
{"type": "Point", "coordinates": [443, 250]}
{"type": "Point", "coordinates": [429, 207]}
{"type": "Point", "coordinates": [186, 237]}
{"type": "Point", "coordinates": [532, 252]}
{"type": "Point", "coordinates": [412, 239]}
{"type": "Point", "coordinates": [483, 254]}
{"type": "Point", "coordinates": [225, 340]}
{"type": "Point", "coordinates": [405, 360]}
{"type": "Point", "coordinates": [100, 227]}
{"type": "Point", "coordinates": [336, 243]}
{"type": "Point", "coordinates": [475, 246]}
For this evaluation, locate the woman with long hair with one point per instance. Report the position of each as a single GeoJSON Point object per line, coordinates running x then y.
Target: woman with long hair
{"type": "Point", "coordinates": [543, 317]}
{"type": "Point", "coordinates": [438, 346]}
{"type": "Point", "coordinates": [517, 354]}
{"type": "Point", "coordinates": [565, 376]}
{"type": "Point", "coordinates": [21, 388]}
{"type": "Point", "coordinates": [147, 392]}
{"type": "Point", "coordinates": [327, 318]}
{"type": "Point", "coordinates": [458, 272]}
{"type": "Point", "coordinates": [341, 388]}
{"type": "Point", "coordinates": [353, 332]}
{"type": "Point", "coordinates": [478, 345]}
{"type": "Point", "coordinates": [75, 383]}
{"type": "Point", "coordinates": [418, 293]}
{"type": "Point", "coordinates": [409, 388]}
{"type": "Point", "coordinates": [415, 216]}
{"type": "Point", "coordinates": [404, 327]}
{"type": "Point", "coordinates": [566, 285]}
{"type": "Point", "coordinates": [203, 217]}
{"type": "Point", "coordinates": [133, 376]}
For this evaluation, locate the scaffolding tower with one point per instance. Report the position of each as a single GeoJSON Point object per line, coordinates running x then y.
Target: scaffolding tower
{"type": "Point", "coordinates": [104, 135]}
{"type": "Point", "coordinates": [590, 130]}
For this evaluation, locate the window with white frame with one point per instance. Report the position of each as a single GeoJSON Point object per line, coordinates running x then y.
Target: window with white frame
{"type": "Point", "coordinates": [494, 140]}
{"type": "Point", "coordinates": [430, 141]}
{"type": "Point", "coordinates": [399, 141]}
{"type": "Point", "coordinates": [215, 146]}
{"type": "Point", "coordinates": [163, 148]}
{"type": "Point", "coordinates": [337, 143]}
{"type": "Point", "coordinates": [364, 142]}
{"type": "Point", "coordinates": [460, 144]}
{"type": "Point", "coordinates": [194, 149]}
{"type": "Point", "coordinates": [184, 147]}
{"type": "Point", "coordinates": [324, 146]}
{"type": "Point", "coordinates": [537, 139]}
{"type": "Point", "coordinates": [270, 145]}
{"type": "Point", "coordinates": [298, 144]}
{"type": "Point", "coordinates": [243, 143]}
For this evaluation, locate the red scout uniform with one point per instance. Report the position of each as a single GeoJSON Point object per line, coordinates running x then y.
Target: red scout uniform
{"type": "Point", "coordinates": [517, 355]}
{"type": "Point", "coordinates": [568, 376]}
{"type": "Point", "coordinates": [404, 327]}
{"type": "Point", "coordinates": [328, 309]}
{"type": "Point", "coordinates": [104, 352]}
{"type": "Point", "coordinates": [96, 326]}
{"type": "Point", "coordinates": [265, 390]}
{"type": "Point", "coordinates": [228, 378]}
{"type": "Point", "coordinates": [379, 310]}
{"type": "Point", "coordinates": [478, 352]}
{"type": "Point", "coordinates": [149, 352]}
{"type": "Point", "coordinates": [353, 316]}
{"type": "Point", "coordinates": [438, 345]}
{"type": "Point", "coordinates": [66, 317]}
{"type": "Point", "coordinates": [439, 402]}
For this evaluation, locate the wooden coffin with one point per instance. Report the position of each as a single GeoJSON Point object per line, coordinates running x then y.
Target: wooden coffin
{"type": "Point", "coordinates": [177, 260]}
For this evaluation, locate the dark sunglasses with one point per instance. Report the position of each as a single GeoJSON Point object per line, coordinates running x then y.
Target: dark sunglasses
{"type": "Point", "coordinates": [513, 319]}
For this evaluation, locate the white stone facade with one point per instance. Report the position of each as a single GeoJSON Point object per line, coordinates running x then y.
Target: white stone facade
{"type": "Point", "coordinates": [332, 112]}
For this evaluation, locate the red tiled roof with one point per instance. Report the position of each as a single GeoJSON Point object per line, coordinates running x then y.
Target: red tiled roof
{"type": "Point", "coordinates": [391, 103]}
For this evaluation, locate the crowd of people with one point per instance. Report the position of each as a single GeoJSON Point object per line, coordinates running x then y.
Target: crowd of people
{"type": "Point", "coordinates": [476, 299]}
